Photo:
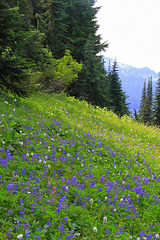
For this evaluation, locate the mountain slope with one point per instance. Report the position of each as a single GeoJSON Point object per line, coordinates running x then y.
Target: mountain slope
{"type": "Point", "coordinates": [70, 170]}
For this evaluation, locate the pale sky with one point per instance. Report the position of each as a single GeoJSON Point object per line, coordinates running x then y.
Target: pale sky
{"type": "Point", "coordinates": [132, 29]}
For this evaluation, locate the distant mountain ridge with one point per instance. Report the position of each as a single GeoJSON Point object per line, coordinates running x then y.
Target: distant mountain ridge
{"type": "Point", "coordinates": [132, 80]}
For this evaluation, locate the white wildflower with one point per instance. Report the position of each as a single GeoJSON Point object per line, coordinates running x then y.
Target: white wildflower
{"type": "Point", "coordinates": [20, 236]}
{"type": "Point", "coordinates": [105, 219]}
{"type": "Point", "coordinates": [94, 229]}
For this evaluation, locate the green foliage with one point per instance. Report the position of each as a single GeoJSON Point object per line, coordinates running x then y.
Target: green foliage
{"type": "Point", "coordinates": [57, 77]}
{"type": "Point", "coordinates": [11, 135]}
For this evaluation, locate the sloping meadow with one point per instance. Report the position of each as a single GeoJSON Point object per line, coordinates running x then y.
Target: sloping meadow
{"type": "Point", "coordinates": [69, 170]}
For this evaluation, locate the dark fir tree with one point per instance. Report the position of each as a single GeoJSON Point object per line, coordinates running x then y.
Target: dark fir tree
{"type": "Point", "coordinates": [21, 51]}
{"type": "Point", "coordinates": [91, 84]}
{"type": "Point", "coordinates": [156, 104]}
{"type": "Point", "coordinates": [85, 47]}
{"type": "Point", "coordinates": [82, 24]}
{"type": "Point", "coordinates": [148, 103]}
{"type": "Point", "coordinates": [116, 95]}
{"type": "Point", "coordinates": [13, 66]}
{"type": "Point", "coordinates": [145, 112]}
{"type": "Point", "coordinates": [142, 103]}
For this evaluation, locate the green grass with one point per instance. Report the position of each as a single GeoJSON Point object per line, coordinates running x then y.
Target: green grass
{"type": "Point", "coordinates": [65, 165]}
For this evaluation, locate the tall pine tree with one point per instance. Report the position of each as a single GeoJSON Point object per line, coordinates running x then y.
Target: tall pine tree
{"type": "Point", "coordinates": [85, 47]}
{"type": "Point", "coordinates": [148, 103]}
{"type": "Point", "coordinates": [156, 104]}
{"type": "Point", "coordinates": [91, 84]}
{"type": "Point", "coordinates": [142, 103]}
{"type": "Point", "coordinates": [145, 111]}
{"type": "Point", "coordinates": [13, 65]}
{"type": "Point", "coordinates": [117, 96]}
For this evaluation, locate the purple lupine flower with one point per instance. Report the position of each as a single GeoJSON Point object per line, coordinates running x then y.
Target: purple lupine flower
{"type": "Point", "coordinates": [60, 227]}
{"type": "Point", "coordinates": [139, 190]}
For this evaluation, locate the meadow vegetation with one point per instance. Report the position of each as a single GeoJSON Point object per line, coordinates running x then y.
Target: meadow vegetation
{"type": "Point", "coordinates": [70, 170]}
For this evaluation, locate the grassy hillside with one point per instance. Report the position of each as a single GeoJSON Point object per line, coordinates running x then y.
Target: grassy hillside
{"type": "Point", "coordinates": [69, 170]}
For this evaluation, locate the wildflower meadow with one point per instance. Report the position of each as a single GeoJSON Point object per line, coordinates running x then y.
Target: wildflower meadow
{"type": "Point", "coordinates": [70, 170]}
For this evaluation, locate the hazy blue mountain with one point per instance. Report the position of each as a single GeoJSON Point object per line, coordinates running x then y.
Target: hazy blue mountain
{"type": "Point", "coordinates": [132, 80]}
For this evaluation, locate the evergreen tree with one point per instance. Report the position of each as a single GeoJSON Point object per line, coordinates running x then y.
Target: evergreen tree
{"type": "Point", "coordinates": [148, 103]}
{"type": "Point", "coordinates": [91, 84]}
{"type": "Point", "coordinates": [145, 112]}
{"type": "Point", "coordinates": [117, 96]}
{"type": "Point", "coordinates": [156, 105]}
{"type": "Point", "coordinates": [21, 51]}
{"type": "Point", "coordinates": [56, 26]}
{"type": "Point", "coordinates": [13, 66]}
{"type": "Point", "coordinates": [142, 103]}
{"type": "Point", "coordinates": [125, 105]}
{"type": "Point", "coordinates": [136, 116]}
{"type": "Point", "coordinates": [82, 24]}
